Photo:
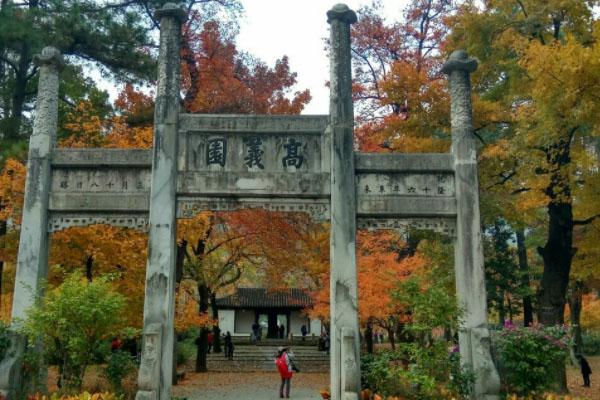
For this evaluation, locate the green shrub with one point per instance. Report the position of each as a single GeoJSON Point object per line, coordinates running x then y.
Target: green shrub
{"type": "Point", "coordinates": [4, 339]}
{"type": "Point", "coordinates": [73, 321]}
{"type": "Point", "coordinates": [591, 343]}
{"type": "Point", "coordinates": [417, 372]}
{"type": "Point", "coordinates": [186, 350]}
{"type": "Point", "coordinates": [119, 365]}
{"type": "Point", "coordinates": [529, 358]}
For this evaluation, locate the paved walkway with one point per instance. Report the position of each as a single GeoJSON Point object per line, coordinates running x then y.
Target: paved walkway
{"type": "Point", "coordinates": [249, 386]}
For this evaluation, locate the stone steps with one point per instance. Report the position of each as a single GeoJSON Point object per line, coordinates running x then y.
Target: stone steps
{"type": "Point", "coordinates": [262, 358]}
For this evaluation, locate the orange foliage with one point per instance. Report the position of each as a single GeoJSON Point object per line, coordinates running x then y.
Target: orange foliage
{"type": "Point", "coordinates": [218, 79]}
{"type": "Point", "coordinates": [12, 190]}
{"type": "Point", "coordinates": [186, 309]}
{"type": "Point", "coordinates": [379, 271]}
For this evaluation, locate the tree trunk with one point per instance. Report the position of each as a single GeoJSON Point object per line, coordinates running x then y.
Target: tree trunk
{"type": "Point", "coordinates": [89, 266]}
{"type": "Point", "coordinates": [557, 255]}
{"type": "Point", "coordinates": [2, 233]}
{"type": "Point", "coordinates": [525, 285]}
{"type": "Point", "coordinates": [216, 328]}
{"type": "Point", "coordinates": [202, 341]}
{"type": "Point", "coordinates": [13, 127]}
{"type": "Point", "coordinates": [390, 332]}
{"type": "Point", "coordinates": [575, 306]}
{"type": "Point", "coordinates": [500, 308]}
{"type": "Point", "coordinates": [369, 337]}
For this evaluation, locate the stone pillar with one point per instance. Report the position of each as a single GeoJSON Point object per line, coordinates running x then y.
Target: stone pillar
{"type": "Point", "coordinates": [32, 261]}
{"type": "Point", "coordinates": [474, 337]}
{"type": "Point", "coordinates": [156, 369]}
{"type": "Point", "coordinates": [345, 346]}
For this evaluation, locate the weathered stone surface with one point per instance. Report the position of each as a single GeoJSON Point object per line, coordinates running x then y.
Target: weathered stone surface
{"type": "Point", "coordinates": [149, 372]}
{"type": "Point", "coordinates": [405, 206]}
{"type": "Point", "coordinates": [97, 158]}
{"type": "Point", "coordinates": [345, 347]}
{"type": "Point", "coordinates": [414, 163]}
{"type": "Point", "coordinates": [445, 226]}
{"type": "Point", "coordinates": [189, 207]}
{"type": "Point", "coordinates": [470, 276]}
{"type": "Point", "coordinates": [60, 220]}
{"type": "Point", "coordinates": [395, 184]}
{"type": "Point", "coordinates": [262, 124]}
{"type": "Point", "coordinates": [32, 261]}
{"type": "Point", "coordinates": [160, 270]}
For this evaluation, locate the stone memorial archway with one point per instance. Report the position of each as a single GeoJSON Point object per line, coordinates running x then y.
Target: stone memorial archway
{"type": "Point", "coordinates": [281, 163]}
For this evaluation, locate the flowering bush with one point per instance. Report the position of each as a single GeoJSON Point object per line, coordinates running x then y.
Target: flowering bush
{"type": "Point", "coordinates": [82, 396]}
{"type": "Point", "coordinates": [529, 357]}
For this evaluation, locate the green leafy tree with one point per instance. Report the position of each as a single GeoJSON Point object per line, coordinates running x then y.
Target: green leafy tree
{"type": "Point", "coordinates": [503, 278]}
{"type": "Point", "coordinates": [73, 321]}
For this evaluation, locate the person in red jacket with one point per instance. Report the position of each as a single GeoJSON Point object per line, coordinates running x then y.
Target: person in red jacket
{"type": "Point", "coordinates": [285, 366]}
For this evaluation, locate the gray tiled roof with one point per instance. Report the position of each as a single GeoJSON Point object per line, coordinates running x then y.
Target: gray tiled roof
{"type": "Point", "coordinates": [266, 298]}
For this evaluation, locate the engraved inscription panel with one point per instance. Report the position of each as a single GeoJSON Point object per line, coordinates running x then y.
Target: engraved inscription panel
{"type": "Point", "coordinates": [405, 184]}
{"type": "Point", "coordinates": [188, 208]}
{"type": "Point", "coordinates": [117, 180]}
{"type": "Point", "coordinates": [250, 152]}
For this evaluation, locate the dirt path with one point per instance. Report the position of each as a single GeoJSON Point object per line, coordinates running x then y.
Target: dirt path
{"type": "Point", "coordinates": [248, 386]}
{"type": "Point", "coordinates": [575, 381]}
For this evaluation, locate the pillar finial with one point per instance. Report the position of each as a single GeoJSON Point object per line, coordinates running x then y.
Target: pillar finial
{"type": "Point", "coordinates": [459, 60]}
{"type": "Point", "coordinates": [342, 13]}
{"type": "Point", "coordinates": [49, 56]}
{"type": "Point", "coordinates": [171, 10]}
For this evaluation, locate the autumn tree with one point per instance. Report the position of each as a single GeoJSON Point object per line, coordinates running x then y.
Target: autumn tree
{"type": "Point", "coordinates": [218, 79]}
{"type": "Point", "coordinates": [539, 61]}
{"type": "Point", "coordinates": [380, 267]}
{"type": "Point", "coordinates": [399, 91]}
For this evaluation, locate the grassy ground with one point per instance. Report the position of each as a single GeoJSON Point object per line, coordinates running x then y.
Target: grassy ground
{"type": "Point", "coordinates": [264, 385]}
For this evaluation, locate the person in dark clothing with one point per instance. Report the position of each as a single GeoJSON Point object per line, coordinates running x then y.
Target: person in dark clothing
{"type": "Point", "coordinates": [281, 331]}
{"type": "Point", "coordinates": [585, 370]}
{"type": "Point", "coordinates": [228, 346]}
{"type": "Point", "coordinates": [304, 331]}
{"type": "Point", "coordinates": [210, 341]}
{"type": "Point", "coordinates": [255, 332]}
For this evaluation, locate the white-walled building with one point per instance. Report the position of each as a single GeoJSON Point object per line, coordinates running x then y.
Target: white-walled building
{"type": "Point", "coordinates": [271, 309]}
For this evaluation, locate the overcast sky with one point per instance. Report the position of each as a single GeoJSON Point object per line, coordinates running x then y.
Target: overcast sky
{"type": "Point", "coordinates": [271, 29]}
{"type": "Point", "coordinates": [296, 28]}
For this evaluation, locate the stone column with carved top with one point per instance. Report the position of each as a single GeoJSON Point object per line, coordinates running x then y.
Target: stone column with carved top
{"type": "Point", "coordinates": [156, 368]}
{"type": "Point", "coordinates": [32, 261]}
{"type": "Point", "coordinates": [474, 337]}
{"type": "Point", "coordinates": [345, 346]}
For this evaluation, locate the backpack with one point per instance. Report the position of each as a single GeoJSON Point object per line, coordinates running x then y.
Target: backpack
{"type": "Point", "coordinates": [282, 367]}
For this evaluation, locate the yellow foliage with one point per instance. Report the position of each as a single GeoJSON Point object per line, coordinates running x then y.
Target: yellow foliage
{"type": "Point", "coordinates": [12, 190]}
{"type": "Point", "coordinates": [590, 314]}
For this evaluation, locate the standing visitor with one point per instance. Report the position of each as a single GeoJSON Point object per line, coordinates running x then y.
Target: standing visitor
{"type": "Point", "coordinates": [255, 328]}
{"type": "Point", "coordinates": [211, 338]}
{"type": "Point", "coordinates": [285, 366]}
{"type": "Point", "coordinates": [304, 331]}
{"type": "Point", "coordinates": [228, 346]}
{"type": "Point", "coordinates": [281, 331]}
{"type": "Point", "coordinates": [585, 370]}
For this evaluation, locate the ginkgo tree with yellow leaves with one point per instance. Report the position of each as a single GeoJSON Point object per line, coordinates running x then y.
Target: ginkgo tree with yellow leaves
{"type": "Point", "coordinates": [540, 61]}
